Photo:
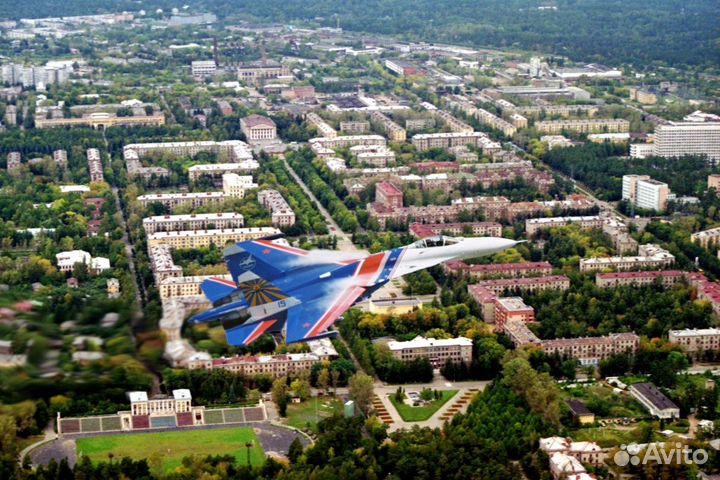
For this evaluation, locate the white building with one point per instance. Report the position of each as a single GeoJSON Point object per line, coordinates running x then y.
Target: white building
{"type": "Point", "coordinates": [193, 221]}
{"type": "Point", "coordinates": [282, 214]}
{"type": "Point", "coordinates": [437, 351]}
{"type": "Point", "coordinates": [649, 256]}
{"type": "Point", "coordinates": [644, 192]}
{"type": "Point", "coordinates": [688, 138]}
{"type": "Point", "coordinates": [235, 185]}
{"type": "Point", "coordinates": [66, 260]}
{"type": "Point", "coordinates": [203, 68]}
{"type": "Point", "coordinates": [696, 340]}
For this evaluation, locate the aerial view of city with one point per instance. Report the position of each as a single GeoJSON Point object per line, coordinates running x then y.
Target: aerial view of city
{"type": "Point", "coordinates": [388, 239]}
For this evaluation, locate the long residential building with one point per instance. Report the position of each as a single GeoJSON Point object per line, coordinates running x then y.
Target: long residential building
{"type": "Point", "coordinates": [193, 221]}
{"type": "Point", "coordinates": [532, 225]}
{"type": "Point", "coordinates": [175, 287]}
{"type": "Point", "coordinates": [273, 365]}
{"type": "Point", "coordinates": [348, 141]}
{"type": "Point", "coordinates": [217, 170]}
{"type": "Point", "coordinates": [426, 141]}
{"type": "Point", "coordinates": [205, 238]}
{"type": "Point", "coordinates": [393, 131]}
{"type": "Point", "coordinates": [562, 110]}
{"type": "Point", "coordinates": [595, 125]}
{"type": "Point", "coordinates": [695, 341]}
{"type": "Point", "coordinates": [676, 139]}
{"type": "Point", "coordinates": [234, 186]}
{"type": "Point", "coordinates": [100, 120]}
{"type": "Point", "coordinates": [281, 213]}
{"type": "Point", "coordinates": [437, 351]}
{"type": "Point", "coordinates": [639, 279]}
{"type": "Point", "coordinates": [254, 73]}
{"type": "Point", "coordinates": [453, 123]}
{"type": "Point", "coordinates": [485, 229]}
{"type": "Point", "coordinates": [497, 270]}
{"type": "Point", "coordinates": [591, 350]}
{"type": "Point", "coordinates": [322, 126]}
{"type": "Point", "coordinates": [649, 256]}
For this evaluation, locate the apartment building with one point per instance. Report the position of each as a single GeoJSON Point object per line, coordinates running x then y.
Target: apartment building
{"type": "Point", "coordinates": [393, 131]}
{"type": "Point", "coordinates": [453, 123]}
{"type": "Point", "coordinates": [378, 156]}
{"type": "Point", "coordinates": [321, 125]}
{"type": "Point", "coordinates": [649, 256]}
{"type": "Point", "coordinates": [217, 170]}
{"type": "Point", "coordinates": [482, 229]}
{"type": "Point", "coordinates": [599, 125]}
{"type": "Point", "coordinates": [258, 128]}
{"type": "Point", "coordinates": [235, 185]}
{"type": "Point", "coordinates": [101, 120]}
{"type": "Point", "coordinates": [95, 166]}
{"type": "Point", "coordinates": [591, 350]}
{"type": "Point", "coordinates": [426, 141]}
{"type": "Point", "coordinates": [676, 139]}
{"type": "Point", "coordinates": [713, 181]}
{"type": "Point", "coordinates": [644, 192]}
{"type": "Point", "coordinates": [348, 141]}
{"type": "Point", "coordinates": [276, 366]}
{"type": "Point", "coordinates": [493, 121]}
{"type": "Point", "coordinates": [533, 225]}
{"type": "Point", "coordinates": [705, 238]}
{"type": "Point", "coordinates": [525, 284]}
{"type": "Point", "coordinates": [512, 309]}
{"type": "Point", "coordinates": [60, 157]}
{"type": "Point", "coordinates": [172, 200]}
{"type": "Point", "coordinates": [437, 351]}
{"type": "Point", "coordinates": [254, 73]}
{"type": "Point", "coordinates": [419, 123]}
{"type": "Point", "coordinates": [174, 287]}
{"type": "Point", "coordinates": [696, 341]}
{"type": "Point", "coordinates": [497, 270]}
{"type": "Point", "coordinates": [204, 238]}
{"type": "Point", "coordinates": [14, 160]}
{"type": "Point", "coordinates": [354, 127]}
{"type": "Point", "coordinates": [162, 264]}
{"type": "Point", "coordinates": [203, 68]}
{"type": "Point", "coordinates": [561, 110]}
{"type": "Point", "coordinates": [388, 195]}
{"type": "Point", "coordinates": [518, 120]}
{"type": "Point", "coordinates": [639, 279]}
{"type": "Point", "coordinates": [193, 221]}
{"type": "Point", "coordinates": [281, 213]}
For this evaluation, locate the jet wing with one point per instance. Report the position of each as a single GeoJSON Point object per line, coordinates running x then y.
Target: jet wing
{"type": "Point", "coordinates": [310, 319]}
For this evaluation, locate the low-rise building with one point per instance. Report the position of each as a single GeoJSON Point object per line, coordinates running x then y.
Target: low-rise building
{"type": "Point", "coordinates": [217, 170]}
{"type": "Point", "coordinates": [512, 309]}
{"type": "Point", "coordinates": [426, 141]}
{"type": "Point", "coordinates": [203, 68]}
{"type": "Point", "coordinates": [595, 125]}
{"type": "Point", "coordinates": [591, 350]}
{"type": "Point", "coordinates": [532, 225]}
{"type": "Point", "coordinates": [580, 413]}
{"type": "Point", "coordinates": [257, 72]}
{"type": "Point", "coordinates": [347, 141]}
{"type": "Point", "coordinates": [354, 127]}
{"type": "Point", "coordinates": [281, 213]}
{"type": "Point", "coordinates": [706, 238]}
{"type": "Point", "coordinates": [321, 125]}
{"type": "Point", "coordinates": [522, 269]}
{"type": "Point", "coordinates": [484, 229]}
{"type": "Point", "coordinates": [452, 122]}
{"type": "Point", "coordinates": [654, 400]}
{"type": "Point", "coordinates": [639, 279]}
{"type": "Point", "coordinates": [394, 306]}
{"type": "Point", "coordinates": [276, 366]}
{"type": "Point", "coordinates": [586, 452]}
{"type": "Point", "coordinates": [193, 221]}
{"type": "Point", "coordinates": [101, 120]}
{"type": "Point", "coordinates": [696, 341]}
{"type": "Point", "coordinates": [649, 256]}
{"type": "Point", "coordinates": [204, 238]}
{"type": "Point", "coordinates": [437, 351]}
{"type": "Point", "coordinates": [393, 131]}
{"type": "Point", "coordinates": [176, 287]}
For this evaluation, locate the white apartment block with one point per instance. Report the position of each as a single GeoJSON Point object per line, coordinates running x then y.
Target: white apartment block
{"type": "Point", "coordinates": [437, 351]}
{"type": "Point", "coordinates": [644, 192]}
{"type": "Point", "coordinates": [599, 125]}
{"type": "Point", "coordinates": [235, 185]}
{"type": "Point", "coordinates": [203, 68]}
{"type": "Point", "coordinates": [281, 213]}
{"type": "Point", "coordinates": [60, 157]}
{"type": "Point", "coordinates": [649, 256]}
{"type": "Point", "coordinates": [172, 200]}
{"type": "Point", "coordinates": [321, 125]}
{"type": "Point", "coordinates": [217, 170]}
{"type": "Point", "coordinates": [688, 138]}
{"type": "Point", "coordinates": [378, 156]}
{"type": "Point", "coordinates": [194, 221]}
{"type": "Point", "coordinates": [354, 127]}
{"type": "Point", "coordinates": [642, 150]}
{"type": "Point", "coordinates": [95, 166]}
{"type": "Point", "coordinates": [696, 340]}
{"type": "Point", "coordinates": [533, 225]}
{"type": "Point", "coordinates": [204, 238]}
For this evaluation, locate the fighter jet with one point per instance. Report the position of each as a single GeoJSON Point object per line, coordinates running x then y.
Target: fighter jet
{"type": "Point", "coordinates": [278, 288]}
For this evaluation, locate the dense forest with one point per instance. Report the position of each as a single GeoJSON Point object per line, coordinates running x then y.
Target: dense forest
{"type": "Point", "coordinates": [612, 31]}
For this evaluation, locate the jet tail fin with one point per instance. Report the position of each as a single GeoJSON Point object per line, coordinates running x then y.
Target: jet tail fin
{"type": "Point", "coordinates": [247, 333]}
{"type": "Point", "coordinates": [215, 289]}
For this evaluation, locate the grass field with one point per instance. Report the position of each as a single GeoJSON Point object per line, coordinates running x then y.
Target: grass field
{"type": "Point", "coordinates": [301, 415]}
{"type": "Point", "coordinates": [173, 446]}
{"type": "Point", "coordinates": [419, 414]}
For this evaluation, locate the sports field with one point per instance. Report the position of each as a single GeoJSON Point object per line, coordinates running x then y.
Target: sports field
{"type": "Point", "coordinates": [173, 446]}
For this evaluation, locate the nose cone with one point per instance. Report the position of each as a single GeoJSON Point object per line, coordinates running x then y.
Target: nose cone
{"type": "Point", "coordinates": [479, 247]}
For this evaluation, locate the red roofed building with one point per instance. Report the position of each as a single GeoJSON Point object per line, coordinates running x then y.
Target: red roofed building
{"type": "Point", "coordinates": [439, 167]}
{"type": "Point", "coordinates": [616, 279]}
{"type": "Point", "coordinates": [389, 195]}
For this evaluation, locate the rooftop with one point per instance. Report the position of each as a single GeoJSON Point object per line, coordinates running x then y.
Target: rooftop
{"type": "Point", "coordinates": [654, 396]}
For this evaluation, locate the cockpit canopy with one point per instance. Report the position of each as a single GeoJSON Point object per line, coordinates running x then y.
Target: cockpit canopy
{"type": "Point", "coordinates": [436, 241]}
